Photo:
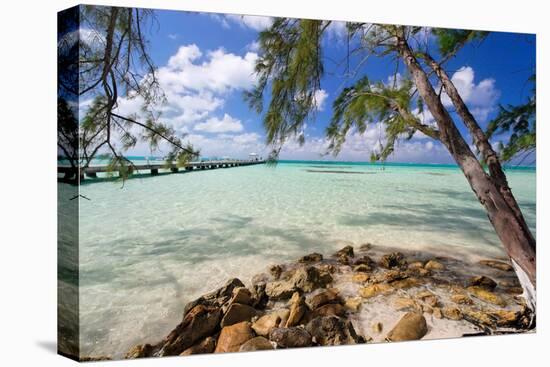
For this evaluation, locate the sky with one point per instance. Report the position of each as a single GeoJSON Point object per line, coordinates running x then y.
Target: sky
{"type": "Point", "coordinates": [206, 61]}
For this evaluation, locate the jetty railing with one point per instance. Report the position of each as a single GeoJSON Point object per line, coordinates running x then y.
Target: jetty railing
{"type": "Point", "coordinates": [154, 168]}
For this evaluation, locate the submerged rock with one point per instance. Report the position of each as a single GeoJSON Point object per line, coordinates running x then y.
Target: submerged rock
{"type": "Point", "coordinates": [483, 282]}
{"type": "Point", "coordinates": [207, 345]}
{"type": "Point", "coordinates": [232, 337]}
{"type": "Point", "coordinates": [292, 337]}
{"type": "Point", "coordinates": [500, 265]}
{"type": "Point", "coordinates": [412, 326]}
{"type": "Point", "coordinates": [332, 330]}
{"type": "Point", "coordinates": [257, 343]}
{"type": "Point", "coordinates": [393, 260]}
{"type": "Point", "coordinates": [201, 321]}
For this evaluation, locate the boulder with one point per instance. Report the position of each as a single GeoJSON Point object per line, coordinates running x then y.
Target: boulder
{"type": "Point", "coordinates": [331, 295]}
{"type": "Point", "coordinates": [232, 337]}
{"type": "Point", "coordinates": [140, 351]}
{"type": "Point", "coordinates": [264, 324]}
{"type": "Point", "coordinates": [393, 260]}
{"type": "Point", "coordinates": [207, 345]}
{"type": "Point", "coordinates": [374, 290]}
{"type": "Point", "coordinates": [311, 258]}
{"type": "Point", "coordinates": [305, 279]}
{"type": "Point", "coordinates": [259, 296]}
{"type": "Point", "coordinates": [201, 321]}
{"type": "Point", "coordinates": [412, 326]}
{"type": "Point", "coordinates": [507, 318]}
{"type": "Point", "coordinates": [297, 309]}
{"type": "Point", "coordinates": [478, 318]}
{"type": "Point", "coordinates": [332, 330]}
{"type": "Point", "coordinates": [276, 271]}
{"type": "Point", "coordinates": [237, 313]}
{"type": "Point", "coordinates": [330, 309]}
{"type": "Point", "coordinates": [353, 304]}
{"type": "Point", "coordinates": [327, 268]}
{"type": "Point", "coordinates": [416, 265]}
{"type": "Point", "coordinates": [364, 260]}
{"type": "Point", "coordinates": [405, 283]}
{"type": "Point", "coordinates": [216, 298]}
{"type": "Point", "coordinates": [500, 265]}
{"type": "Point", "coordinates": [389, 276]}
{"type": "Point", "coordinates": [483, 282]}
{"type": "Point", "coordinates": [292, 337]}
{"type": "Point", "coordinates": [452, 313]}
{"type": "Point", "coordinates": [462, 299]}
{"type": "Point", "coordinates": [428, 298]}
{"type": "Point", "coordinates": [254, 344]}
{"type": "Point", "coordinates": [487, 296]}
{"type": "Point", "coordinates": [241, 295]}
{"type": "Point", "coordinates": [434, 265]}
{"type": "Point", "coordinates": [346, 250]}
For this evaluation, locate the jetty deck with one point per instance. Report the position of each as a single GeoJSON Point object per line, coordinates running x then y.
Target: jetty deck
{"type": "Point", "coordinates": [155, 168]}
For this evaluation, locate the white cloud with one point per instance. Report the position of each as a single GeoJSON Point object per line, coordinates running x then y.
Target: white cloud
{"type": "Point", "coordinates": [216, 125]}
{"type": "Point", "coordinates": [173, 36]}
{"type": "Point", "coordinates": [253, 46]}
{"type": "Point", "coordinates": [320, 97]}
{"type": "Point", "coordinates": [337, 30]}
{"type": "Point", "coordinates": [257, 23]}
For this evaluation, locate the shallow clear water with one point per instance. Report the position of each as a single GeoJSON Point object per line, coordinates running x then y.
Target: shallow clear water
{"type": "Point", "coordinates": [147, 249]}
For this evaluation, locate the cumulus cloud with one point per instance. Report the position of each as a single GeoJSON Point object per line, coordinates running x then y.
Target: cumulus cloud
{"type": "Point", "coordinates": [257, 23]}
{"type": "Point", "coordinates": [223, 125]}
{"type": "Point", "coordinates": [320, 97]}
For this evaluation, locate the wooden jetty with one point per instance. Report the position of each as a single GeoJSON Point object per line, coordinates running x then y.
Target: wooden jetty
{"type": "Point", "coordinates": [154, 168]}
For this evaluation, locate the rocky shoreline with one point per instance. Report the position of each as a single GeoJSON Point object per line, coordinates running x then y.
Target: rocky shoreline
{"type": "Point", "coordinates": [357, 295]}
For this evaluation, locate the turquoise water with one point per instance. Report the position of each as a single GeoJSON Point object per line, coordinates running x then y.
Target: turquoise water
{"type": "Point", "coordinates": [150, 247]}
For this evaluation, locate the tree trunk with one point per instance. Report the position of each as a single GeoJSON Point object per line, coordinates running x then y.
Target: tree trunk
{"type": "Point", "coordinates": [510, 231]}
{"type": "Point", "coordinates": [482, 143]}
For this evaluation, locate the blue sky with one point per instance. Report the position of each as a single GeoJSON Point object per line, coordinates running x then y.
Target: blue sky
{"type": "Point", "coordinates": [206, 62]}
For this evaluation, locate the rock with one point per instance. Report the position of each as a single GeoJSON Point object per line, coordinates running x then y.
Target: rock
{"type": "Point", "coordinates": [201, 321]}
{"type": "Point", "coordinates": [412, 326]}
{"type": "Point", "coordinates": [241, 295]}
{"type": "Point", "coordinates": [297, 309]}
{"type": "Point", "coordinates": [405, 283]}
{"type": "Point", "coordinates": [331, 295]}
{"type": "Point", "coordinates": [406, 304]}
{"type": "Point", "coordinates": [500, 265]}
{"type": "Point", "coordinates": [365, 246]}
{"type": "Point", "coordinates": [389, 276]}
{"type": "Point", "coordinates": [292, 337]}
{"type": "Point", "coordinates": [437, 313]}
{"type": "Point", "coordinates": [393, 260]}
{"type": "Point", "coordinates": [360, 278]}
{"type": "Point", "coordinates": [506, 318]}
{"type": "Point", "coordinates": [311, 258]}
{"type": "Point", "coordinates": [462, 299]}
{"type": "Point", "coordinates": [374, 290]}
{"type": "Point", "coordinates": [232, 337]}
{"type": "Point", "coordinates": [330, 309]}
{"type": "Point", "coordinates": [514, 290]}
{"type": "Point", "coordinates": [364, 260]}
{"type": "Point", "coordinates": [452, 313]}
{"type": "Point", "coordinates": [332, 330]}
{"type": "Point", "coordinates": [140, 351]}
{"type": "Point", "coordinates": [327, 268]}
{"type": "Point", "coordinates": [377, 327]}
{"type": "Point", "coordinates": [421, 272]}
{"type": "Point", "coordinates": [237, 313]}
{"type": "Point", "coordinates": [305, 279]}
{"type": "Point", "coordinates": [353, 304]}
{"type": "Point", "coordinates": [362, 268]}
{"type": "Point", "coordinates": [259, 297]}
{"type": "Point", "coordinates": [207, 345]}
{"type": "Point", "coordinates": [483, 282]}
{"type": "Point", "coordinates": [428, 298]}
{"type": "Point", "coordinates": [254, 344]}
{"type": "Point", "coordinates": [487, 296]}
{"type": "Point", "coordinates": [346, 250]}
{"type": "Point", "coordinates": [478, 317]}
{"type": "Point", "coordinates": [264, 324]}
{"type": "Point", "coordinates": [416, 265]}
{"type": "Point", "coordinates": [343, 259]}
{"type": "Point", "coordinates": [276, 271]}
{"type": "Point", "coordinates": [216, 298]}
{"type": "Point", "coordinates": [434, 265]}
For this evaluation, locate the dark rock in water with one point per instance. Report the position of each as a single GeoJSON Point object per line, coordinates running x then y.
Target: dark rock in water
{"type": "Point", "coordinates": [434, 265]}
{"type": "Point", "coordinates": [483, 282]}
{"type": "Point", "coordinates": [237, 313]}
{"type": "Point", "coordinates": [257, 343]}
{"type": "Point", "coordinates": [140, 351]}
{"type": "Point", "coordinates": [500, 265]}
{"type": "Point", "coordinates": [412, 326]}
{"type": "Point", "coordinates": [276, 271]}
{"type": "Point", "coordinates": [365, 246]}
{"type": "Point", "coordinates": [393, 260]}
{"type": "Point", "coordinates": [364, 260]}
{"type": "Point", "coordinates": [292, 337]}
{"type": "Point", "coordinates": [305, 279]}
{"type": "Point", "coordinates": [297, 309]}
{"type": "Point", "coordinates": [259, 297]}
{"type": "Point", "coordinates": [332, 330]}
{"type": "Point", "coordinates": [347, 250]}
{"type": "Point", "coordinates": [362, 268]}
{"type": "Point", "coordinates": [327, 268]}
{"type": "Point", "coordinates": [330, 309]}
{"type": "Point", "coordinates": [216, 298]}
{"type": "Point", "coordinates": [311, 258]}
{"type": "Point", "coordinates": [207, 345]}
{"type": "Point", "coordinates": [232, 337]}
{"type": "Point", "coordinates": [329, 296]}
{"type": "Point", "coordinates": [201, 321]}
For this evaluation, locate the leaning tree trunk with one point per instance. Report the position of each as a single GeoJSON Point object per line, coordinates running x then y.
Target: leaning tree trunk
{"type": "Point", "coordinates": [516, 241]}
{"type": "Point", "coordinates": [481, 142]}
